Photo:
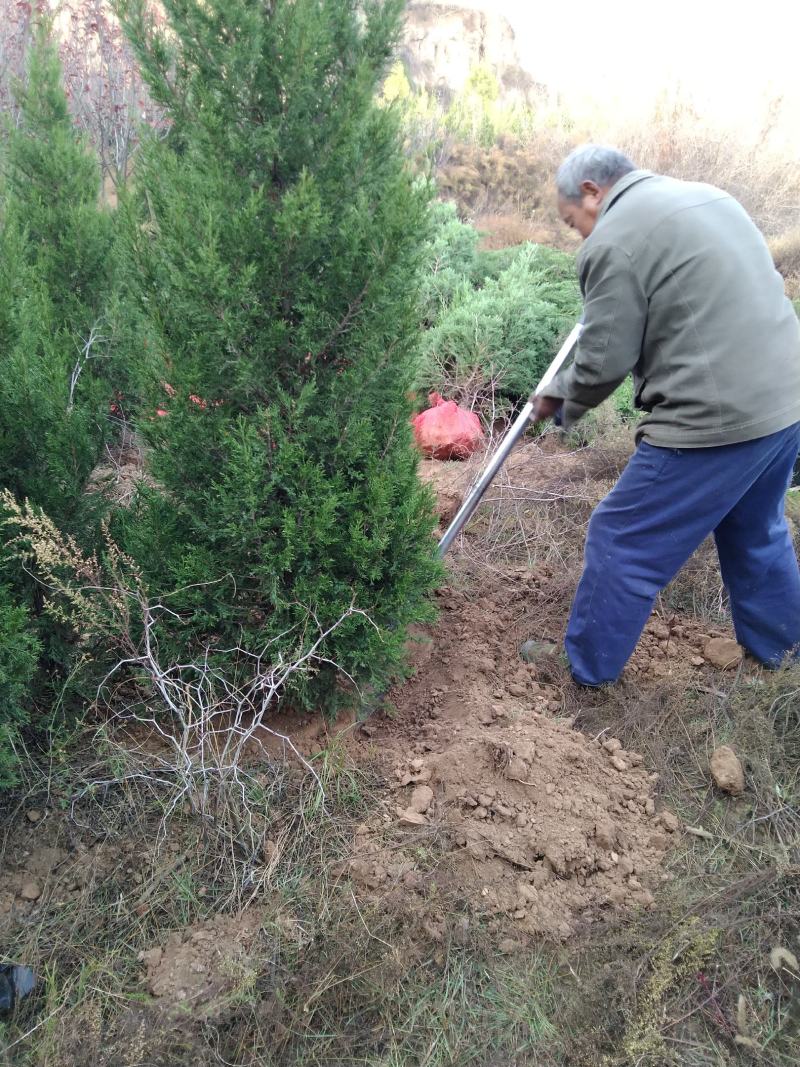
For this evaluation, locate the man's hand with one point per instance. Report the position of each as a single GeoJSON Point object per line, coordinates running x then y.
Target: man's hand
{"type": "Point", "coordinates": [545, 407]}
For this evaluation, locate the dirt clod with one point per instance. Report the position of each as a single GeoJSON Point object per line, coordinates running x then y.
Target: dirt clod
{"type": "Point", "coordinates": [421, 799]}
{"type": "Point", "coordinates": [412, 818]}
{"type": "Point", "coordinates": [726, 770]}
{"type": "Point", "coordinates": [30, 890]}
{"type": "Point", "coordinates": [723, 653]}
{"type": "Point", "coordinates": [535, 651]}
{"type": "Point", "coordinates": [670, 821]}
{"type": "Point", "coordinates": [33, 815]}
{"type": "Point", "coordinates": [200, 967]}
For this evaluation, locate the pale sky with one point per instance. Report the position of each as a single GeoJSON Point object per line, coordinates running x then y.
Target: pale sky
{"type": "Point", "coordinates": [731, 57]}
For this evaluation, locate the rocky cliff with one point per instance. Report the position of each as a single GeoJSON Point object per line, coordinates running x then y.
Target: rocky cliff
{"type": "Point", "coordinates": [444, 42]}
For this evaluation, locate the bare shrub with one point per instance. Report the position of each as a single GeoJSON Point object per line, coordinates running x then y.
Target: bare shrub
{"type": "Point", "coordinates": [677, 142]}
{"type": "Point", "coordinates": [106, 95]}
{"type": "Point", "coordinates": [515, 176]}
{"type": "Point", "coordinates": [499, 230]}
{"type": "Point", "coordinates": [785, 251]}
{"type": "Point", "coordinates": [197, 738]}
{"type": "Point", "coordinates": [508, 177]}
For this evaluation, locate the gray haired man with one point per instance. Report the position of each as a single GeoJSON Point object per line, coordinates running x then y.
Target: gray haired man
{"type": "Point", "coordinates": [680, 290]}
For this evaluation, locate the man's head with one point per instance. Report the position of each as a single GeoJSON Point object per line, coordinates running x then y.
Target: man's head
{"type": "Point", "coordinates": [583, 181]}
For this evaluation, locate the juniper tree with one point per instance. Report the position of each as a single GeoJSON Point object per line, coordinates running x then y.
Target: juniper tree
{"type": "Point", "coordinates": [55, 260]}
{"type": "Point", "coordinates": [274, 244]}
{"type": "Point", "coordinates": [55, 246]}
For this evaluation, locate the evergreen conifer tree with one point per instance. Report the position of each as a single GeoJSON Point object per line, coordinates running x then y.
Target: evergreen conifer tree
{"type": "Point", "coordinates": [55, 259]}
{"type": "Point", "coordinates": [276, 257]}
{"type": "Point", "coordinates": [55, 249]}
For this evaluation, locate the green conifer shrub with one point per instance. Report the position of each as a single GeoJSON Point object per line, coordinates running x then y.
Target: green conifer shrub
{"type": "Point", "coordinates": [506, 331]}
{"type": "Point", "coordinates": [450, 262]}
{"type": "Point", "coordinates": [274, 244]}
{"type": "Point", "coordinates": [55, 258]}
{"type": "Point", "coordinates": [55, 388]}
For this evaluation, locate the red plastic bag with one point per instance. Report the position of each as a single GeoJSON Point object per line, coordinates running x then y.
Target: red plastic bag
{"type": "Point", "coordinates": [447, 431]}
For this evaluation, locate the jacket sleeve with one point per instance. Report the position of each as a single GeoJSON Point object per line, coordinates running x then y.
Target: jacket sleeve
{"type": "Point", "coordinates": [614, 320]}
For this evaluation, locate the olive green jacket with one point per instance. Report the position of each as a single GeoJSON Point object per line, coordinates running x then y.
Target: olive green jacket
{"type": "Point", "coordinates": [680, 289]}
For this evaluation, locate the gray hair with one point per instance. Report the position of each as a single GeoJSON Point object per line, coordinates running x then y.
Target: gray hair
{"type": "Point", "coordinates": [591, 163]}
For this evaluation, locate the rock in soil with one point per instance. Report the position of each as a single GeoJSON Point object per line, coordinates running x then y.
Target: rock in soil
{"type": "Point", "coordinates": [536, 651]}
{"type": "Point", "coordinates": [723, 653]}
{"type": "Point", "coordinates": [30, 890]}
{"type": "Point", "coordinates": [726, 770]}
{"type": "Point", "coordinates": [33, 814]}
{"type": "Point", "coordinates": [421, 799]}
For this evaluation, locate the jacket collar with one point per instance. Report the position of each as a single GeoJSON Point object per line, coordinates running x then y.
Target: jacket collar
{"type": "Point", "coordinates": [622, 186]}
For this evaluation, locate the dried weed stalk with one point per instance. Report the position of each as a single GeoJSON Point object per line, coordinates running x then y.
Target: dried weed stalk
{"type": "Point", "coordinates": [196, 736]}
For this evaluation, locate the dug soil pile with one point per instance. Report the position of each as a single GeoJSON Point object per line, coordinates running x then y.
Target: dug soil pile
{"type": "Point", "coordinates": [544, 827]}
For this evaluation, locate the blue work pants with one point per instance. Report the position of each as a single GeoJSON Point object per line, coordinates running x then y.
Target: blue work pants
{"type": "Point", "coordinates": [665, 504]}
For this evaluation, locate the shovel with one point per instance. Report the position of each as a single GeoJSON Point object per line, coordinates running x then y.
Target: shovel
{"type": "Point", "coordinates": [498, 459]}
{"type": "Point", "coordinates": [496, 462]}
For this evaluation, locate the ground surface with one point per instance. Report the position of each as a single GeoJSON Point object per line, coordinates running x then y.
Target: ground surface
{"type": "Point", "coordinates": [487, 810]}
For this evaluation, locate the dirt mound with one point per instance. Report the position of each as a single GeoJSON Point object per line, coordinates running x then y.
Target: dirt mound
{"type": "Point", "coordinates": [545, 828]}
{"type": "Point", "coordinates": [548, 826]}
{"type": "Point", "coordinates": [200, 967]}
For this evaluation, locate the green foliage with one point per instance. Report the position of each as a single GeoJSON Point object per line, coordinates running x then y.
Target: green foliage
{"type": "Point", "coordinates": [274, 247]}
{"type": "Point", "coordinates": [55, 246]}
{"type": "Point", "coordinates": [52, 182]}
{"type": "Point", "coordinates": [622, 399]}
{"type": "Point", "coordinates": [396, 87]}
{"type": "Point", "coordinates": [19, 654]}
{"type": "Point", "coordinates": [506, 330]}
{"type": "Point", "coordinates": [491, 263]}
{"type": "Point", "coordinates": [478, 114]}
{"type": "Point", "coordinates": [450, 261]}
{"type": "Point", "coordinates": [55, 250]}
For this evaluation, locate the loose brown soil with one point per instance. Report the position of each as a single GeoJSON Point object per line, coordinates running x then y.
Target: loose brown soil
{"type": "Point", "coordinates": [547, 828]}
{"type": "Point", "coordinates": [201, 966]}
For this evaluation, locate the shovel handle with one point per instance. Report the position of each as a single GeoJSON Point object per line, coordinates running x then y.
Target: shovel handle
{"type": "Point", "coordinates": [498, 459]}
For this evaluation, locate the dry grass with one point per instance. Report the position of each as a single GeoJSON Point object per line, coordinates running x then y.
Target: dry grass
{"type": "Point", "coordinates": [329, 980]}
{"type": "Point", "coordinates": [505, 231]}
{"type": "Point", "coordinates": [508, 190]}
{"type": "Point", "coordinates": [514, 178]}
{"type": "Point", "coordinates": [142, 880]}
{"type": "Point", "coordinates": [734, 892]}
{"type": "Point", "coordinates": [678, 142]}
{"type": "Point", "coordinates": [786, 253]}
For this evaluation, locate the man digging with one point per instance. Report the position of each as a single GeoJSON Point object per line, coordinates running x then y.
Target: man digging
{"type": "Point", "coordinates": [679, 288]}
